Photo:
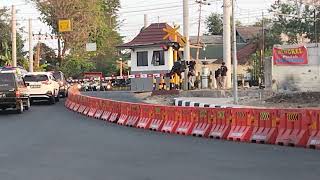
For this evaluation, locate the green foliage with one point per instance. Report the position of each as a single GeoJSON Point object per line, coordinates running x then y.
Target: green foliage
{"type": "Point", "coordinates": [214, 24]}
{"type": "Point", "coordinates": [256, 66]}
{"type": "Point", "coordinates": [293, 18]}
{"type": "Point", "coordinates": [92, 21]}
{"type": "Point", "coordinates": [5, 41]}
{"type": "Point", "coordinates": [76, 66]}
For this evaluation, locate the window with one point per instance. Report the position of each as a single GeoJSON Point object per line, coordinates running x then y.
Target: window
{"type": "Point", "coordinates": [158, 58]}
{"type": "Point", "coordinates": [36, 78]}
{"type": "Point", "coordinates": [142, 58]}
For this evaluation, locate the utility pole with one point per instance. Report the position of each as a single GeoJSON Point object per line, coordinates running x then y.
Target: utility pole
{"type": "Point", "coordinates": [186, 53]}
{"type": "Point", "coordinates": [30, 47]}
{"type": "Point", "coordinates": [235, 60]}
{"type": "Point", "coordinates": [227, 39]}
{"type": "Point", "coordinates": [262, 48]}
{"type": "Point", "coordinates": [14, 37]}
{"type": "Point", "coordinates": [38, 55]}
{"type": "Point", "coordinates": [201, 3]}
{"type": "Point", "coordinates": [121, 66]}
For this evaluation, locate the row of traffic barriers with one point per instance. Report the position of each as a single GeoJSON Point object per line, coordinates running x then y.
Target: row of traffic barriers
{"type": "Point", "coordinates": [287, 127]}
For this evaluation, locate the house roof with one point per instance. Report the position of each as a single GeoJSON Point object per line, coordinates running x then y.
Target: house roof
{"type": "Point", "coordinates": [249, 32]}
{"type": "Point", "coordinates": [246, 33]}
{"type": "Point", "coordinates": [244, 52]}
{"type": "Point", "coordinates": [152, 35]}
{"type": "Point", "coordinates": [212, 39]}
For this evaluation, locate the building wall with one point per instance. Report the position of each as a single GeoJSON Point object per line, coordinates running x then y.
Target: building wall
{"type": "Point", "coordinates": [145, 84]}
{"type": "Point", "coordinates": [301, 77]}
{"type": "Point", "coordinates": [168, 58]}
{"type": "Point", "coordinates": [242, 69]}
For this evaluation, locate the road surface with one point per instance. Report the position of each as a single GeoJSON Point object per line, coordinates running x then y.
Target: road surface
{"type": "Point", "coordinates": [52, 143]}
{"type": "Point", "coordinates": [115, 95]}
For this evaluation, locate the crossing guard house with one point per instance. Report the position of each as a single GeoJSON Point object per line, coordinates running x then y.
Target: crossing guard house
{"type": "Point", "coordinates": [150, 54]}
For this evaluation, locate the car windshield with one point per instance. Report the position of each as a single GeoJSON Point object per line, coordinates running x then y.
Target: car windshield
{"type": "Point", "coordinates": [7, 81]}
{"type": "Point", "coordinates": [57, 75]}
{"type": "Point", "coordinates": [36, 78]}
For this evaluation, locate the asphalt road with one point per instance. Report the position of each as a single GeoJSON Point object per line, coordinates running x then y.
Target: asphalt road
{"type": "Point", "coordinates": [115, 95]}
{"type": "Point", "coordinates": [52, 143]}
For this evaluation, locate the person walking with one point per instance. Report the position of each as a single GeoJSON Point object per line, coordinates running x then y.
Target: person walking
{"type": "Point", "coordinates": [223, 77]}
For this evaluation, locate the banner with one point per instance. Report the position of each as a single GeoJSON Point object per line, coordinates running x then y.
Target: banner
{"type": "Point", "coordinates": [290, 56]}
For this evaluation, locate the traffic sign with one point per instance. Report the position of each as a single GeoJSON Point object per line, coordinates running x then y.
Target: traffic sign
{"type": "Point", "coordinates": [65, 25]}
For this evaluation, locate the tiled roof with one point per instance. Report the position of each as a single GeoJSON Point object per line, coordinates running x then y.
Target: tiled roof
{"type": "Point", "coordinates": [249, 32]}
{"type": "Point", "coordinates": [211, 39]}
{"type": "Point", "coordinates": [151, 35]}
{"type": "Point", "coordinates": [243, 54]}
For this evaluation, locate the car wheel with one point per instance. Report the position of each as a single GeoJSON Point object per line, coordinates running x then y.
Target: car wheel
{"type": "Point", "coordinates": [63, 95]}
{"type": "Point", "coordinates": [52, 100]}
{"type": "Point", "coordinates": [28, 104]}
{"type": "Point", "coordinates": [57, 98]}
{"type": "Point", "coordinates": [19, 108]}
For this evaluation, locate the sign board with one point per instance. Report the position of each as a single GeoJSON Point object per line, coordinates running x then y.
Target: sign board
{"type": "Point", "coordinates": [91, 47]}
{"type": "Point", "coordinates": [290, 56]}
{"type": "Point", "coordinates": [65, 25]}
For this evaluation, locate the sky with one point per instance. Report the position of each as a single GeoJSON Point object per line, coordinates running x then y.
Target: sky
{"type": "Point", "coordinates": [131, 14]}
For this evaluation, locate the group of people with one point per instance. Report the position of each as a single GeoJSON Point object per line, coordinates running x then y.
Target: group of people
{"type": "Point", "coordinates": [221, 76]}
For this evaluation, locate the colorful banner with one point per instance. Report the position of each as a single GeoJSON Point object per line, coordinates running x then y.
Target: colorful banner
{"type": "Point", "coordinates": [290, 56]}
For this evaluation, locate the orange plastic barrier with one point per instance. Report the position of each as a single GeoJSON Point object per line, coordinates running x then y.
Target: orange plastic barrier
{"type": "Point", "coordinates": [189, 116]}
{"type": "Point", "coordinates": [86, 110]}
{"type": "Point", "coordinates": [147, 114]}
{"type": "Point", "coordinates": [76, 107]}
{"type": "Point", "coordinates": [221, 122]}
{"type": "Point", "coordinates": [124, 113]}
{"type": "Point", "coordinates": [67, 103]}
{"type": "Point", "coordinates": [171, 116]}
{"type": "Point", "coordinates": [99, 111]}
{"type": "Point", "coordinates": [134, 115]}
{"type": "Point", "coordinates": [203, 125]}
{"type": "Point", "coordinates": [116, 110]}
{"type": "Point", "coordinates": [107, 110]}
{"type": "Point", "coordinates": [158, 121]}
{"type": "Point", "coordinates": [82, 102]}
{"type": "Point", "coordinates": [314, 140]}
{"type": "Point", "coordinates": [265, 122]}
{"type": "Point", "coordinates": [241, 125]}
{"type": "Point", "coordinates": [93, 106]}
{"type": "Point", "coordinates": [293, 128]}
{"type": "Point", "coordinates": [72, 105]}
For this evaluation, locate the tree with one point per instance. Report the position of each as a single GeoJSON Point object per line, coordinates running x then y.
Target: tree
{"type": "Point", "coordinates": [47, 57]}
{"type": "Point", "coordinates": [6, 42]}
{"type": "Point", "coordinates": [292, 19]}
{"type": "Point", "coordinates": [75, 66]}
{"type": "Point", "coordinates": [92, 21]}
{"type": "Point", "coordinates": [214, 24]}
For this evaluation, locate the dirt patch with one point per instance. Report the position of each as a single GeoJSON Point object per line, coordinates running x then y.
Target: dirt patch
{"type": "Point", "coordinates": [285, 100]}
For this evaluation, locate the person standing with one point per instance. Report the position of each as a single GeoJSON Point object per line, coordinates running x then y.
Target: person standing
{"type": "Point", "coordinates": [217, 75]}
{"type": "Point", "coordinates": [223, 77]}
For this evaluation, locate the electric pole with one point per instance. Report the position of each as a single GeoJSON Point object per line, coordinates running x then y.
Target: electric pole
{"type": "Point", "coordinates": [201, 3]}
{"type": "Point", "coordinates": [262, 49]}
{"type": "Point", "coordinates": [14, 37]}
{"type": "Point", "coordinates": [30, 47]}
{"type": "Point", "coordinates": [186, 53]}
{"type": "Point", "coordinates": [235, 60]}
{"type": "Point", "coordinates": [227, 39]}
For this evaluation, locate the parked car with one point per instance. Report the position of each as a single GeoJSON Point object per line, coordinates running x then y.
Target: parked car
{"type": "Point", "coordinates": [13, 92]}
{"type": "Point", "coordinates": [42, 86]}
{"type": "Point", "coordinates": [59, 76]}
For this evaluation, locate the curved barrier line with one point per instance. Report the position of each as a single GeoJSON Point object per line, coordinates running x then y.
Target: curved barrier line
{"type": "Point", "coordinates": [287, 127]}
